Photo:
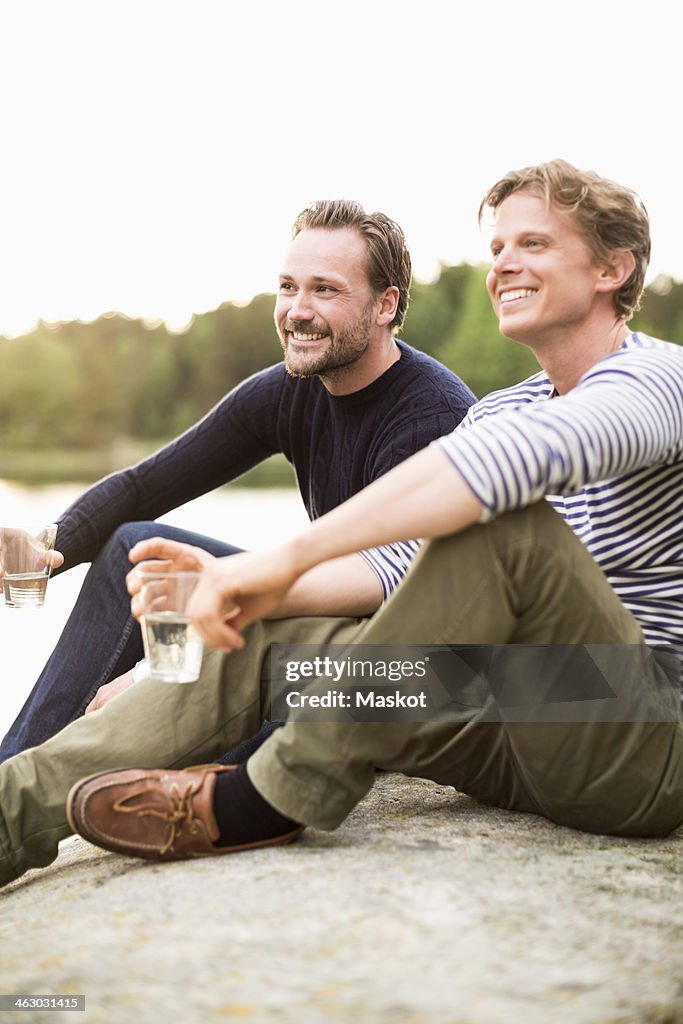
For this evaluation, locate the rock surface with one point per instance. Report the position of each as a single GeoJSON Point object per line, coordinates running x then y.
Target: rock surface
{"type": "Point", "coordinates": [423, 908]}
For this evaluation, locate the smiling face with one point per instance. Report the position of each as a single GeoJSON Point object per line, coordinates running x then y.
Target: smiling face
{"type": "Point", "coordinates": [325, 313]}
{"type": "Point", "coordinates": [543, 283]}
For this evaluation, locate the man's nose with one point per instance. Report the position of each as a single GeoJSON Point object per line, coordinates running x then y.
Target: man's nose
{"type": "Point", "coordinates": [506, 260]}
{"type": "Point", "coordinates": [300, 308]}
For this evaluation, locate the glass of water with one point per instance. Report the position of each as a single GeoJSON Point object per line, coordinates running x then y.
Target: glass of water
{"type": "Point", "coordinates": [173, 645]}
{"type": "Point", "coordinates": [26, 564]}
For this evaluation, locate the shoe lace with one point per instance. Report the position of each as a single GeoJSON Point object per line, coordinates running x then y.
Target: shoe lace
{"type": "Point", "coordinates": [178, 813]}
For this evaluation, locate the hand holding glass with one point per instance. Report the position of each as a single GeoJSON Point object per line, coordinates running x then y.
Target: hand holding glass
{"type": "Point", "coordinates": [26, 560]}
{"type": "Point", "coordinates": [173, 645]}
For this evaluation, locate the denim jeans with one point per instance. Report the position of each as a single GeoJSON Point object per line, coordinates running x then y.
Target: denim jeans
{"type": "Point", "coordinates": [100, 641]}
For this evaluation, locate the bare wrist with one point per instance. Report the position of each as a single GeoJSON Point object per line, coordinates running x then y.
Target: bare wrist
{"type": "Point", "coordinates": [298, 553]}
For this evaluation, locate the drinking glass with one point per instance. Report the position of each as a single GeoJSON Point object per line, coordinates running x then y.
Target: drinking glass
{"type": "Point", "coordinates": [25, 556]}
{"type": "Point", "coordinates": [173, 645]}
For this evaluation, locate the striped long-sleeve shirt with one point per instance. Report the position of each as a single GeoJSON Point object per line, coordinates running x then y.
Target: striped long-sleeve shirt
{"type": "Point", "coordinates": [608, 456]}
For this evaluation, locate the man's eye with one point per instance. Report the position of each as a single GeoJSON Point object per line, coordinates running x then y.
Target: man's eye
{"type": "Point", "coordinates": [325, 288]}
{"type": "Point", "coordinates": [286, 286]}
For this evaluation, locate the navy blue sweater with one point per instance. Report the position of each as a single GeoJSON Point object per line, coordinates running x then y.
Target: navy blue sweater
{"type": "Point", "coordinates": [336, 444]}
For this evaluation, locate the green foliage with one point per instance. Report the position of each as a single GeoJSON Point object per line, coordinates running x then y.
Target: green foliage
{"type": "Point", "coordinates": [661, 314]}
{"type": "Point", "coordinates": [118, 382]}
{"type": "Point", "coordinates": [433, 307]}
{"type": "Point", "coordinates": [86, 386]}
{"type": "Point", "coordinates": [485, 359]}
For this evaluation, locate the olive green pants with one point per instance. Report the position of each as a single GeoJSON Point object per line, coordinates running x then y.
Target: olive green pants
{"type": "Point", "coordinates": [523, 579]}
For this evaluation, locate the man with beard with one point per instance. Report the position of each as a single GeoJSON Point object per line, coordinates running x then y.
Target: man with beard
{"type": "Point", "coordinates": [348, 403]}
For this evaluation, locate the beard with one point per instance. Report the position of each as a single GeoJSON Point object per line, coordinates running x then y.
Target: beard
{"type": "Point", "coordinates": [343, 348]}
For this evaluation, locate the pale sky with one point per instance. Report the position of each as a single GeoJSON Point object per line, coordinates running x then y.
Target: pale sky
{"type": "Point", "coordinates": [154, 153]}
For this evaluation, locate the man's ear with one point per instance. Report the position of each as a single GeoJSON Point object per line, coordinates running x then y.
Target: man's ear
{"type": "Point", "coordinates": [388, 306]}
{"type": "Point", "coordinates": [617, 271]}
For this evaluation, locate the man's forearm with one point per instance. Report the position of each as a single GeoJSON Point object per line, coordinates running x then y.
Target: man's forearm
{"type": "Point", "coordinates": [423, 497]}
{"type": "Point", "coordinates": [343, 586]}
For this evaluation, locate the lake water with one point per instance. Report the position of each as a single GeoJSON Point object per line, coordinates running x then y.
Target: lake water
{"type": "Point", "coordinates": [252, 518]}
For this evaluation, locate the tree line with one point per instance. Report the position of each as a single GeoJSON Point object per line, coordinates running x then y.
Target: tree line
{"type": "Point", "coordinates": [83, 385]}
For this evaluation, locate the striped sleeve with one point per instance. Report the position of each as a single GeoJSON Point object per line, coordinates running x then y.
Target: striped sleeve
{"type": "Point", "coordinates": [626, 413]}
{"type": "Point", "coordinates": [391, 562]}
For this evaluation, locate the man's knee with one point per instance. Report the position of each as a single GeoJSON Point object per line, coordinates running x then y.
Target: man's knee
{"type": "Point", "coordinates": [128, 535]}
{"type": "Point", "coordinates": [532, 525]}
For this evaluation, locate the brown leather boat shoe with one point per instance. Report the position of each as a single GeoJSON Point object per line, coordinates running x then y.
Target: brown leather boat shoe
{"type": "Point", "coordinates": [154, 813]}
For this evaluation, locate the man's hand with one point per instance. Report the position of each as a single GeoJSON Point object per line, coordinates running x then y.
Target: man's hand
{"type": "Point", "coordinates": [109, 691]}
{"type": "Point", "coordinates": [238, 589]}
{"type": "Point", "coordinates": [159, 555]}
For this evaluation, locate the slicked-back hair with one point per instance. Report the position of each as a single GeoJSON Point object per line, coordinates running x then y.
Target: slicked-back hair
{"type": "Point", "coordinates": [388, 259]}
{"type": "Point", "coordinates": [610, 217]}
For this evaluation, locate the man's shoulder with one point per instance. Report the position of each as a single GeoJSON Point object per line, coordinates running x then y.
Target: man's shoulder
{"type": "Point", "coordinates": [536, 388]}
{"type": "Point", "coordinates": [416, 359]}
{"type": "Point", "coordinates": [275, 373]}
{"type": "Point", "coordinates": [268, 384]}
{"type": "Point", "coordinates": [638, 341]}
{"type": "Point", "coordinates": [641, 354]}
{"type": "Point", "coordinates": [434, 375]}
{"type": "Point", "coordinates": [639, 345]}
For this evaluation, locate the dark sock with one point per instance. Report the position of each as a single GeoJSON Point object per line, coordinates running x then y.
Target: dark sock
{"type": "Point", "coordinates": [242, 815]}
{"type": "Point", "coordinates": [244, 751]}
